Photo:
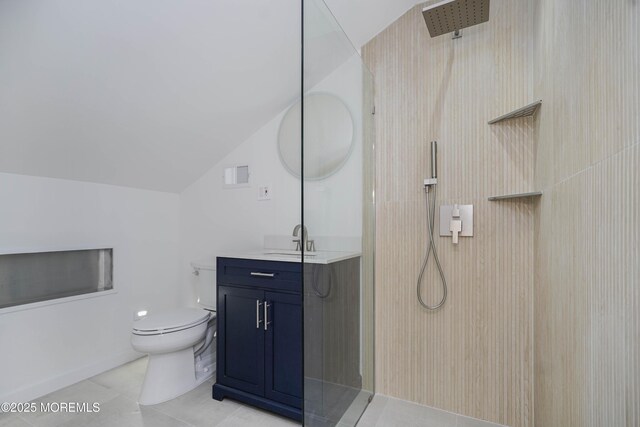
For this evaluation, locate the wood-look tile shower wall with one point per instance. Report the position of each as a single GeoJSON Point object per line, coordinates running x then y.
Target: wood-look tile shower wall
{"type": "Point", "coordinates": [587, 256]}
{"type": "Point", "coordinates": [475, 355]}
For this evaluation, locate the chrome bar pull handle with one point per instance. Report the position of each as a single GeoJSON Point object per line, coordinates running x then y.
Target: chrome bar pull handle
{"type": "Point", "coordinates": [266, 315]}
{"type": "Point", "coordinates": [258, 320]}
{"type": "Point", "coordinates": [255, 273]}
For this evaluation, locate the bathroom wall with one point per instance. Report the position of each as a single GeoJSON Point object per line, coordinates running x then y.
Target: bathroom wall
{"type": "Point", "coordinates": [47, 348]}
{"type": "Point", "coordinates": [475, 355]}
{"type": "Point", "coordinates": [587, 292]}
{"type": "Point", "coordinates": [216, 220]}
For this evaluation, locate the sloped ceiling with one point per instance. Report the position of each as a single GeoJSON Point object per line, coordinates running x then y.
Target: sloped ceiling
{"type": "Point", "coordinates": [363, 19]}
{"type": "Point", "coordinates": [150, 93]}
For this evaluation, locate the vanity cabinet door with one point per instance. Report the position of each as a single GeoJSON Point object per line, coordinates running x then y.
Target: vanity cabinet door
{"type": "Point", "coordinates": [241, 339]}
{"type": "Point", "coordinates": [283, 348]}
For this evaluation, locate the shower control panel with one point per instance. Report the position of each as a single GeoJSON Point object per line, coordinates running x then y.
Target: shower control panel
{"type": "Point", "coordinates": [456, 221]}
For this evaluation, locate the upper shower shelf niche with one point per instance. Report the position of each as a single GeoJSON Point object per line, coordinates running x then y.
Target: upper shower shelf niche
{"type": "Point", "coordinates": [526, 111]}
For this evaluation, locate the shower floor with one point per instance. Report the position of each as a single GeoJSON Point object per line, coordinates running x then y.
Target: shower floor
{"type": "Point", "coordinates": [389, 412]}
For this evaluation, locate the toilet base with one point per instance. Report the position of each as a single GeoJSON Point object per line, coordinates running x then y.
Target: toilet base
{"type": "Point", "coordinates": [170, 375]}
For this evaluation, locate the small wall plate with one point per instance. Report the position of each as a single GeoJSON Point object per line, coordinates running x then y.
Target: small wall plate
{"type": "Point", "coordinates": [466, 216]}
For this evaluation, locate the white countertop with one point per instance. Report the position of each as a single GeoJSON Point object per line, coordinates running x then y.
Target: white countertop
{"type": "Point", "coordinates": [283, 255]}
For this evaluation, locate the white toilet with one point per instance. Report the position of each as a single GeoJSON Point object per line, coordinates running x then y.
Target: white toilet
{"type": "Point", "coordinates": [180, 343]}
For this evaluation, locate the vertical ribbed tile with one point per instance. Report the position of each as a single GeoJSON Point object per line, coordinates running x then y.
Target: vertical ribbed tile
{"type": "Point", "coordinates": [632, 298]}
{"type": "Point", "coordinates": [587, 329]}
{"type": "Point", "coordinates": [564, 256]}
{"type": "Point", "coordinates": [474, 356]}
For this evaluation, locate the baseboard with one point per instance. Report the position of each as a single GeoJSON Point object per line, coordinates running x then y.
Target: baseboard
{"type": "Point", "coordinates": [34, 391]}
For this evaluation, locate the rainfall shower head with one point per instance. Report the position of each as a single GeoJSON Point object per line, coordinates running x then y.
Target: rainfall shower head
{"type": "Point", "coordinates": [450, 15]}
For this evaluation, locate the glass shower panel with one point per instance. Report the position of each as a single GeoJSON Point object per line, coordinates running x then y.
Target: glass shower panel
{"type": "Point", "coordinates": [338, 214]}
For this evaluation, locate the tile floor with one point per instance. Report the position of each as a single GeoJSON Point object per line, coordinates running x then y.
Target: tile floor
{"type": "Point", "coordinates": [117, 390]}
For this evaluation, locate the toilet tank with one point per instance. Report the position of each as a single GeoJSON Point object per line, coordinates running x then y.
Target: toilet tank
{"type": "Point", "coordinates": [205, 283]}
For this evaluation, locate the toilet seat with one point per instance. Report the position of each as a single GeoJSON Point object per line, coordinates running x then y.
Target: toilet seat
{"type": "Point", "coordinates": [171, 321]}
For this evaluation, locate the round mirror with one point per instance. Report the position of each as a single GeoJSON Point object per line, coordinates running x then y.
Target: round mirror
{"type": "Point", "coordinates": [328, 136]}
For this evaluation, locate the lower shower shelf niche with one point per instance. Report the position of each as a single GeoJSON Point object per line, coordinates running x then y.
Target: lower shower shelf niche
{"type": "Point", "coordinates": [529, 195]}
{"type": "Point", "coordinates": [526, 111]}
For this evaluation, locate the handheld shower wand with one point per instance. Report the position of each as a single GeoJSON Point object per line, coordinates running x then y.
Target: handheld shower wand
{"type": "Point", "coordinates": [431, 182]}
{"type": "Point", "coordinates": [431, 245]}
{"type": "Point", "coordinates": [434, 159]}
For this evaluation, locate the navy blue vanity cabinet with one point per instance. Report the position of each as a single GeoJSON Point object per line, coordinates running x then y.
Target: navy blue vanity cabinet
{"type": "Point", "coordinates": [283, 348]}
{"type": "Point", "coordinates": [240, 364]}
{"type": "Point", "coordinates": [259, 340]}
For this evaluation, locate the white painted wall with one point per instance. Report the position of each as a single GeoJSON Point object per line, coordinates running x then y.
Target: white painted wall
{"type": "Point", "coordinates": [217, 220]}
{"type": "Point", "coordinates": [46, 348]}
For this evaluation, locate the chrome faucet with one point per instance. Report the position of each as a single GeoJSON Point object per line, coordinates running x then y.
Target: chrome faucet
{"type": "Point", "coordinates": [300, 241]}
{"type": "Point", "coordinates": [309, 245]}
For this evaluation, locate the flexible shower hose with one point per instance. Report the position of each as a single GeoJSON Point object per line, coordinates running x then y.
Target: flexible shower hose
{"type": "Point", "coordinates": [431, 246]}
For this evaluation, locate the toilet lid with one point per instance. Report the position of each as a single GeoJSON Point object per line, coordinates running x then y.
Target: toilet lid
{"type": "Point", "coordinates": [171, 320]}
